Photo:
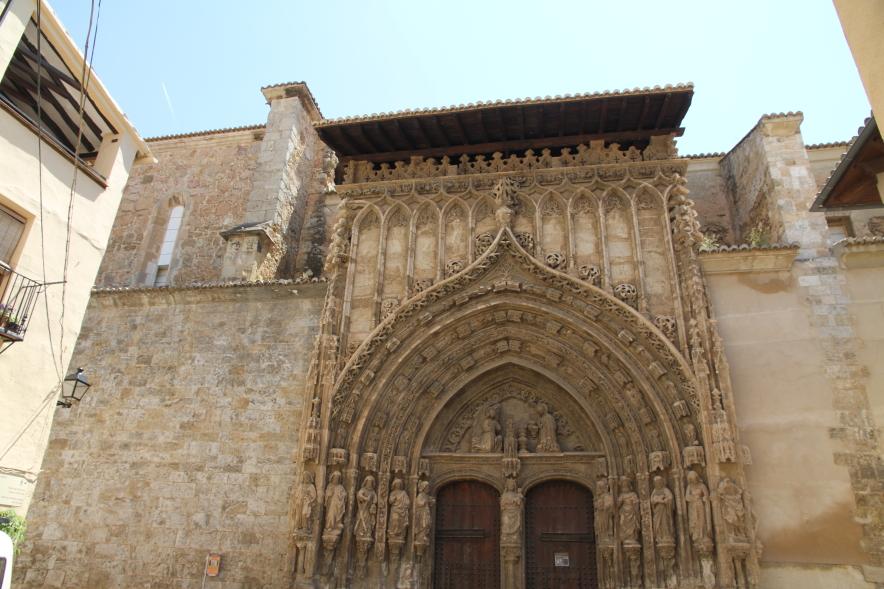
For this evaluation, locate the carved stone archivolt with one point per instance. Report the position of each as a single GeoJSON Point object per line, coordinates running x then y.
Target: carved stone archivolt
{"type": "Point", "coordinates": [497, 365]}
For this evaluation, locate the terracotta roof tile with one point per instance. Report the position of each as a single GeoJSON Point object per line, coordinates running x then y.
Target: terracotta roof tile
{"type": "Point", "coordinates": [206, 132]}
{"type": "Point", "coordinates": [511, 102]}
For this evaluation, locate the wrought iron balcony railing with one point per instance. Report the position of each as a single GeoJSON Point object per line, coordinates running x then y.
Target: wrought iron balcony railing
{"type": "Point", "coordinates": [18, 295]}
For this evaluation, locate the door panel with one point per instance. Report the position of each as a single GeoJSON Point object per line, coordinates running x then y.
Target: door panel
{"type": "Point", "coordinates": [467, 537]}
{"type": "Point", "coordinates": [559, 537]}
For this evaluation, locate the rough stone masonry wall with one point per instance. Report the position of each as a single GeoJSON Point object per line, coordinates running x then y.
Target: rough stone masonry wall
{"type": "Point", "coordinates": [749, 185]}
{"type": "Point", "coordinates": [183, 445]}
{"type": "Point", "coordinates": [211, 176]}
{"type": "Point", "coordinates": [709, 193]}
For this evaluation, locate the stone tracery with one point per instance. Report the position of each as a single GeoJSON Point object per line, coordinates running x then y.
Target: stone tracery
{"type": "Point", "coordinates": [391, 407]}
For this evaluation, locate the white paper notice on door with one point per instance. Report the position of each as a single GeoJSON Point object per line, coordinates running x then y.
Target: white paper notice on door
{"type": "Point", "coordinates": [562, 559]}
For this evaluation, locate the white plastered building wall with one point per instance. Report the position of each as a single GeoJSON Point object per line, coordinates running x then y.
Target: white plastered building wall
{"type": "Point", "coordinates": [30, 370]}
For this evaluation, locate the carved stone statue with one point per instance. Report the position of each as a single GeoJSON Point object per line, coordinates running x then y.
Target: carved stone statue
{"type": "Point", "coordinates": [423, 517]}
{"type": "Point", "coordinates": [304, 518]}
{"type": "Point", "coordinates": [307, 503]}
{"type": "Point", "coordinates": [366, 510]}
{"type": "Point", "coordinates": [690, 433]}
{"type": "Point", "coordinates": [486, 434]}
{"type": "Point", "coordinates": [547, 440]}
{"type": "Point", "coordinates": [335, 506]}
{"type": "Point", "coordinates": [630, 517]}
{"type": "Point", "coordinates": [662, 504]}
{"type": "Point", "coordinates": [511, 514]}
{"type": "Point", "coordinates": [399, 506]}
{"type": "Point", "coordinates": [604, 510]}
{"type": "Point", "coordinates": [699, 509]}
{"type": "Point", "coordinates": [732, 509]}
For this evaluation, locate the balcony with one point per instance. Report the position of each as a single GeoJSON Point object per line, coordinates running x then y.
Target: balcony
{"type": "Point", "coordinates": [18, 295]}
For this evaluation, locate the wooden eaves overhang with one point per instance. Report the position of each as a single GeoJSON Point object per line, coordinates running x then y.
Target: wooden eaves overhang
{"type": "Point", "coordinates": [59, 67]}
{"type": "Point", "coordinates": [853, 183]}
{"type": "Point", "coordinates": [628, 117]}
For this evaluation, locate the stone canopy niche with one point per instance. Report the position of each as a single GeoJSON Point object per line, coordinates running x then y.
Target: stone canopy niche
{"type": "Point", "coordinates": [514, 399]}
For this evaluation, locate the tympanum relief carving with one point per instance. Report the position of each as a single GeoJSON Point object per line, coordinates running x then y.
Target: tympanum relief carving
{"type": "Point", "coordinates": [537, 426]}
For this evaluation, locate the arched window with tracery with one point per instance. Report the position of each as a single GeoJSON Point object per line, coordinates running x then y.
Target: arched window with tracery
{"type": "Point", "coordinates": [167, 248]}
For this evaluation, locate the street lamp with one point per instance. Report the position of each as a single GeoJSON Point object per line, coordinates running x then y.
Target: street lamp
{"type": "Point", "coordinates": [73, 388]}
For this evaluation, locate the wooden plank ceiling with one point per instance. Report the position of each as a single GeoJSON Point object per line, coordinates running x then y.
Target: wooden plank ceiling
{"type": "Point", "coordinates": [628, 118]}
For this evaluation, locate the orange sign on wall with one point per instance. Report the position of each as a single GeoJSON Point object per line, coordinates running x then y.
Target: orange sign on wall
{"type": "Point", "coordinates": [213, 565]}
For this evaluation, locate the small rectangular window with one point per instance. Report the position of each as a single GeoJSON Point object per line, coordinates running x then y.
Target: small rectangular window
{"type": "Point", "coordinates": [11, 228]}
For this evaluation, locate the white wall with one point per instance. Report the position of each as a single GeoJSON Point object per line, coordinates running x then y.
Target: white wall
{"type": "Point", "coordinates": [28, 378]}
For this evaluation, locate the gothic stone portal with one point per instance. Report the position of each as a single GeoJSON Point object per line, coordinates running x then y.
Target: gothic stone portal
{"type": "Point", "coordinates": [487, 332]}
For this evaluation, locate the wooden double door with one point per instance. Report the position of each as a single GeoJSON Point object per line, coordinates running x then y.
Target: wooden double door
{"type": "Point", "coordinates": [559, 539]}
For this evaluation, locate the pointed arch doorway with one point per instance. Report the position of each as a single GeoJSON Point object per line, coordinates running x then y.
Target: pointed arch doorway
{"type": "Point", "coordinates": [467, 536]}
{"type": "Point", "coordinates": [559, 539]}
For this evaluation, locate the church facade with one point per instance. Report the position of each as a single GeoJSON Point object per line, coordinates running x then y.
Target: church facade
{"type": "Point", "coordinates": [517, 344]}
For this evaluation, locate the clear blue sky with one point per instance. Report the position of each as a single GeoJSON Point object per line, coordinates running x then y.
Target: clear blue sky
{"type": "Point", "coordinates": [745, 58]}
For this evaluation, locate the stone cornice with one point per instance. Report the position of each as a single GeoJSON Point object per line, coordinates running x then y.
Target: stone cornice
{"type": "Point", "coordinates": [208, 291]}
{"type": "Point", "coordinates": [298, 90]}
{"type": "Point", "coordinates": [860, 252]}
{"type": "Point", "coordinates": [745, 258]}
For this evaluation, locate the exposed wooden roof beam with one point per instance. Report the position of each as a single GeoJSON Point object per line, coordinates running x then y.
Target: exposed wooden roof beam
{"type": "Point", "coordinates": [406, 138]}
{"type": "Point", "coordinates": [641, 117]}
{"type": "Point", "coordinates": [385, 140]}
{"type": "Point", "coordinates": [583, 108]}
{"type": "Point", "coordinates": [522, 123]}
{"type": "Point", "coordinates": [603, 116]}
{"type": "Point", "coordinates": [425, 132]}
{"type": "Point", "coordinates": [568, 140]}
{"type": "Point", "coordinates": [483, 130]}
{"type": "Point", "coordinates": [62, 113]}
{"type": "Point", "coordinates": [683, 110]}
{"type": "Point", "coordinates": [50, 83]}
{"type": "Point", "coordinates": [663, 108]}
{"type": "Point", "coordinates": [441, 129]}
{"type": "Point", "coordinates": [500, 122]}
{"type": "Point", "coordinates": [365, 139]}
{"type": "Point", "coordinates": [622, 119]}
{"type": "Point", "coordinates": [47, 122]}
{"type": "Point", "coordinates": [29, 87]}
{"type": "Point", "coordinates": [562, 120]}
{"type": "Point", "coordinates": [345, 141]}
{"type": "Point", "coordinates": [30, 52]}
{"type": "Point", "coordinates": [461, 130]}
